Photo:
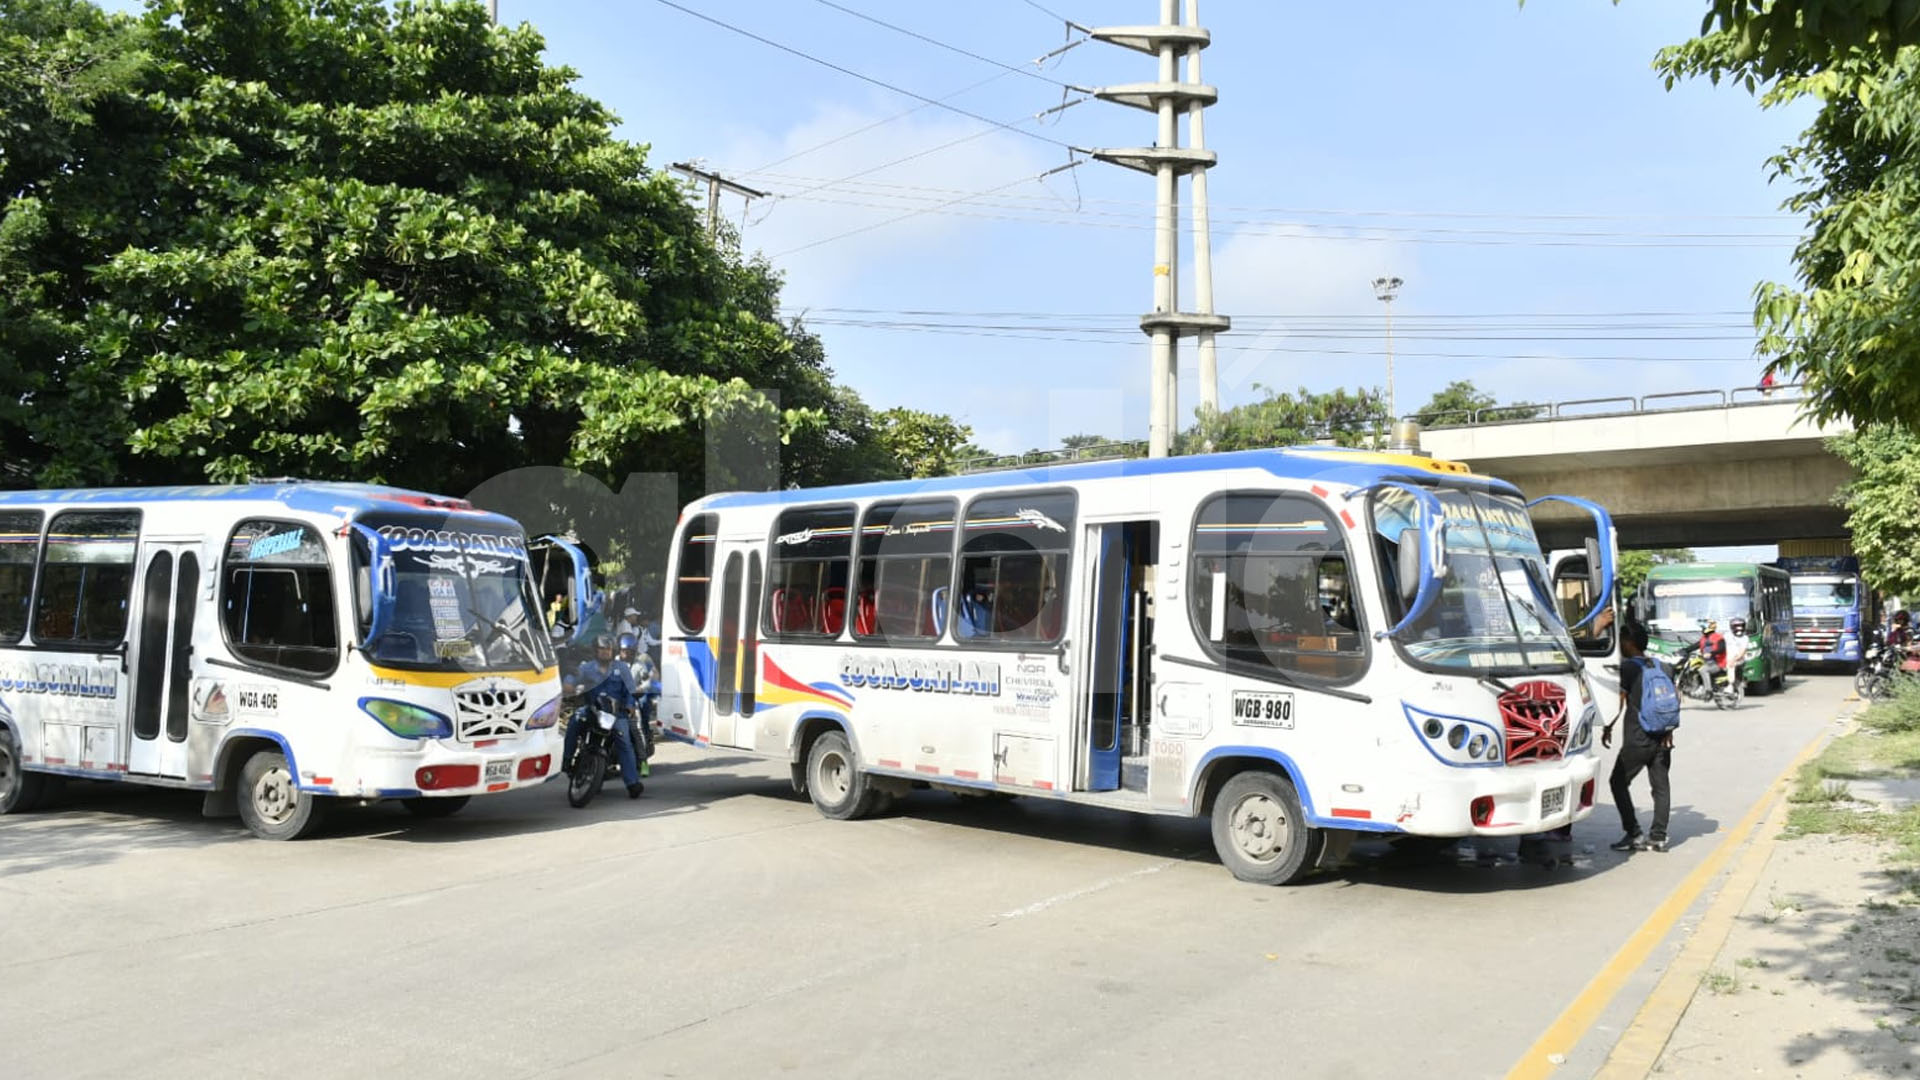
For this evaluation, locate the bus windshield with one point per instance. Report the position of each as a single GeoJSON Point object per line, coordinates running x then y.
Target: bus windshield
{"type": "Point", "coordinates": [1679, 609]}
{"type": "Point", "coordinates": [462, 601]}
{"type": "Point", "coordinates": [1823, 593]}
{"type": "Point", "coordinates": [1494, 614]}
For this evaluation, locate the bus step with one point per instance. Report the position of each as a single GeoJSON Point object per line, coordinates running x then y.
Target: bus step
{"type": "Point", "coordinates": [1133, 774]}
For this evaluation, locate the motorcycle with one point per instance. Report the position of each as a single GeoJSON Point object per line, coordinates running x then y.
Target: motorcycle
{"type": "Point", "coordinates": [1690, 678]}
{"type": "Point", "coordinates": [592, 751]}
{"type": "Point", "coordinates": [1878, 671]}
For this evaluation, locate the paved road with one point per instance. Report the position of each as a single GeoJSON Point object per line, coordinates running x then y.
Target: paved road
{"type": "Point", "coordinates": [720, 928]}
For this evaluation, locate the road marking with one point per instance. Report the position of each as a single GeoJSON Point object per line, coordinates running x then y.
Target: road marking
{"type": "Point", "coordinates": [1574, 1021]}
{"type": "Point", "coordinates": [1075, 894]}
{"type": "Point", "coordinates": [1646, 1037]}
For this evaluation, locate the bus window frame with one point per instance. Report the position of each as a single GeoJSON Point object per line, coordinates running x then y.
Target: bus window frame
{"type": "Point", "coordinates": [856, 580]}
{"type": "Point", "coordinates": [995, 643]}
{"type": "Point", "coordinates": [672, 585]}
{"type": "Point", "coordinates": [343, 620]}
{"type": "Point", "coordinates": [26, 639]}
{"type": "Point", "coordinates": [40, 579]}
{"type": "Point", "coordinates": [852, 557]}
{"type": "Point", "coordinates": [1274, 672]}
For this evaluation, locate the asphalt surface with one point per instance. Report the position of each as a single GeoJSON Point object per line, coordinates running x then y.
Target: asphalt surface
{"type": "Point", "coordinates": [719, 927]}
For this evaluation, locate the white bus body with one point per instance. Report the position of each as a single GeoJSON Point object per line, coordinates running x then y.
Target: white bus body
{"type": "Point", "coordinates": [1222, 634]}
{"type": "Point", "coordinates": [276, 645]}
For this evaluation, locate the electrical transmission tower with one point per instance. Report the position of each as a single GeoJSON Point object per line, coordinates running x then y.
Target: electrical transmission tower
{"type": "Point", "coordinates": [1167, 160]}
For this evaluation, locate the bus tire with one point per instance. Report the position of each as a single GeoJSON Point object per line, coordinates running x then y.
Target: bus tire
{"type": "Point", "coordinates": [436, 808]}
{"type": "Point", "coordinates": [21, 792]}
{"type": "Point", "coordinates": [1259, 831]}
{"type": "Point", "coordinates": [839, 789]}
{"type": "Point", "coordinates": [271, 802]}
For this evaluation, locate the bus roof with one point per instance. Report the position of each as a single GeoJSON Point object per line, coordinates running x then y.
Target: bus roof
{"type": "Point", "coordinates": [1327, 464]}
{"type": "Point", "coordinates": [321, 497]}
{"type": "Point", "coordinates": [1703, 571]}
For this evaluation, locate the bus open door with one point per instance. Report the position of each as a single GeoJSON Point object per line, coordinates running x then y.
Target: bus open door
{"type": "Point", "coordinates": [563, 574]}
{"type": "Point", "coordinates": [1583, 590]}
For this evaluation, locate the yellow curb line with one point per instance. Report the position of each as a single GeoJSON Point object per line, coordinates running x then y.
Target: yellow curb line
{"type": "Point", "coordinates": [1639, 1049]}
{"type": "Point", "coordinates": [1573, 1022]}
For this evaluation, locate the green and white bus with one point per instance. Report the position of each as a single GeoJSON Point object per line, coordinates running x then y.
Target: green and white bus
{"type": "Point", "coordinates": [1678, 599]}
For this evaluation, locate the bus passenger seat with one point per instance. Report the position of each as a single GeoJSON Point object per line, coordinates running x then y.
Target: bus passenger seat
{"type": "Point", "coordinates": [937, 608]}
{"type": "Point", "coordinates": [833, 611]}
{"type": "Point", "coordinates": [792, 614]}
{"type": "Point", "coordinates": [865, 620]}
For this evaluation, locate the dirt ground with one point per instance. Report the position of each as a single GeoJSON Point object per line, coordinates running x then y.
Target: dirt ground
{"type": "Point", "coordinates": [1819, 977]}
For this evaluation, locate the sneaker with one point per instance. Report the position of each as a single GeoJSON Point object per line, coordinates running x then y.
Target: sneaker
{"type": "Point", "coordinates": [1629, 842]}
{"type": "Point", "coordinates": [1658, 843]}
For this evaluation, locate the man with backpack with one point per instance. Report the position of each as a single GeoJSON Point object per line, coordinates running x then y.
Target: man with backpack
{"type": "Point", "coordinates": [1652, 707]}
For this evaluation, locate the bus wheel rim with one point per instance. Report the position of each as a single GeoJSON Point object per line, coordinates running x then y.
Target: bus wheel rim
{"type": "Point", "coordinates": [833, 775]}
{"type": "Point", "coordinates": [1259, 828]}
{"type": "Point", "coordinates": [8, 769]}
{"type": "Point", "coordinates": [274, 795]}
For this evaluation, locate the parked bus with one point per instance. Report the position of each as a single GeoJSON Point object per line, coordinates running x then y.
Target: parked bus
{"type": "Point", "coordinates": [1304, 644]}
{"type": "Point", "coordinates": [1678, 599]}
{"type": "Point", "coordinates": [1832, 608]}
{"type": "Point", "coordinates": [276, 645]}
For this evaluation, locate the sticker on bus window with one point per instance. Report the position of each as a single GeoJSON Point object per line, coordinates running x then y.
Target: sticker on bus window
{"type": "Point", "coordinates": [276, 544]}
{"type": "Point", "coordinates": [453, 650]}
{"type": "Point", "coordinates": [1263, 708]}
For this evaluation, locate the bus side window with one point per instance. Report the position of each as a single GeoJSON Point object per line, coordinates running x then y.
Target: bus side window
{"type": "Point", "coordinates": [86, 576]}
{"type": "Point", "coordinates": [276, 597]}
{"type": "Point", "coordinates": [906, 554]}
{"type": "Point", "coordinates": [693, 572]}
{"type": "Point", "coordinates": [1015, 553]}
{"type": "Point", "coordinates": [1272, 586]}
{"type": "Point", "coordinates": [19, 551]}
{"type": "Point", "coordinates": [807, 570]}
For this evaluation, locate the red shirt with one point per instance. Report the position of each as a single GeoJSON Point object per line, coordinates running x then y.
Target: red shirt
{"type": "Point", "coordinates": [1714, 647]}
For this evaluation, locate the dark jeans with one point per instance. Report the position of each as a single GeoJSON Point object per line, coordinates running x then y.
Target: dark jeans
{"type": "Point", "coordinates": [1636, 755]}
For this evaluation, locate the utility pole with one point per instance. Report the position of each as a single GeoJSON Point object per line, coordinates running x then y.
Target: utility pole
{"type": "Point", "coordinates": [1167, 160]}
{"type": "Point", "coordinates": [1385, 289]}
{"type": "Point", "coordinates": [493, 11]}
{"type": "Point", "coordinates": [715, 183]}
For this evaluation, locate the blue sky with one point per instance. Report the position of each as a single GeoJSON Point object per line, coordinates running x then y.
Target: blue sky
{"type": "Point", "coordinates": [1524, 170]}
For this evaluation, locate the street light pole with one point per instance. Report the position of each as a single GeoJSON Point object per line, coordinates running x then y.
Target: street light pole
{"type": "Point", "coordinates": [493, 11]}
{"type": "Point", "coordinates": [1384, 289]}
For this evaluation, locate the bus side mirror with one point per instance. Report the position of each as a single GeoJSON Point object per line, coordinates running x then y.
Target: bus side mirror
{"type": "Point", "coordinates": [1596, 571]}
{"type": "Point", "coordinates": [1407, 570]}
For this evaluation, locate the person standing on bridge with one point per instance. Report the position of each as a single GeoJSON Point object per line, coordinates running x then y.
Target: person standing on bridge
{"type": "Point", "coordinates": [1641, 749]}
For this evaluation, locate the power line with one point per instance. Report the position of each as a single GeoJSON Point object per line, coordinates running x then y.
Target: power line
{"type": "Point", "coordinates": [1298, 315]}
{"type": "Point", "coordinates": [883, 84]}
{"type": "Point", "coordinates": [947, 46]}
{"type": "Point", "coordinates": [1052, 15]}
{"type": "Point", "coordinates": [917, 213]}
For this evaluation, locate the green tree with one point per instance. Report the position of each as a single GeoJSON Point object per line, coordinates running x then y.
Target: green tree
{"type": "Point", "coordinates": [922, 444]}
{"type": "Point", "coordinates": [1635, 565]}
{"type": "Point", "coordinates": [353, 239]}
{"type": "Point", "coordinates": [1349, 418]}
{"type": "Point", "coordinates": [1461, 402]}
{"type": "Point", "coordinates": [1849, 327]}
{"type": "Point", "coordinates": [1883, 505]}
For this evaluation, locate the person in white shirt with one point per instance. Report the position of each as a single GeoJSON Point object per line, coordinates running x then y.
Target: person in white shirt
{"type": "Point", "coordinates": [1736, 648]}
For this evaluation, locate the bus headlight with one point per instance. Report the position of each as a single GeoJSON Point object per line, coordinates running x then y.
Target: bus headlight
{"type": "Point", "coordinates": [545, 716]}
{"type": "Point", "coordinates": [1477, 746]}
{"type": "Point", "coordinates": [407, 721]}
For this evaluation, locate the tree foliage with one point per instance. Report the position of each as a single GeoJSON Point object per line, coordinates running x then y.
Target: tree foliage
{"type": "Point", "coordinates": [1348, 417]}
{"type": "Point", "coordinates": [1849, 327]}
{"type": "Point", "coordinates": [1634, 566]}
{"type": "Point", "coordinates": [353, 239]}
{"type": "Point", "coordinates": [1461, 402]}
{"type": "Point", "coordinates": [1883, 505]}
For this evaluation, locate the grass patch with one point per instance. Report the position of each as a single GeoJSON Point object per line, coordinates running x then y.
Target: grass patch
{"type": "Point", "coordinates": [1719, 982]}
{"type": "Point", "coordinates": [1753, 962]}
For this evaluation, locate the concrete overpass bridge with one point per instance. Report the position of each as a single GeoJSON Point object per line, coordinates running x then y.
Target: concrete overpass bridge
{"type": "Point", "coordinates": [1698, 469]}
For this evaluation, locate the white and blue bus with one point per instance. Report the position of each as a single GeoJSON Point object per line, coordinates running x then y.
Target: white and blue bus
{"type": "Point", "coordinates": [1303, 644]}
{"type": "Point", "coordinates": [279, 646]}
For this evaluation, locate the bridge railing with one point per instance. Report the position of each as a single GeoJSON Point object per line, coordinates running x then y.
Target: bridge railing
{"type": "Point", "coordinates": [1527, 412]}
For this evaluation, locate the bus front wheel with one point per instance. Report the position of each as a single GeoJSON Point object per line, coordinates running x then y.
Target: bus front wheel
{"type": "Point", "coordinates": [1259, 830]}
{"type": "Point", "coordinates": [271, 802]}
{"type": "Point", "coordinates": [20, 791]}
{"type": "Point", "coordinates": [834, 781]}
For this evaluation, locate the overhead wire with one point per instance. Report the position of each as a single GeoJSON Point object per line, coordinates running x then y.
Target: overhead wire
{"type": "Point", "coordinates": [952, 48]}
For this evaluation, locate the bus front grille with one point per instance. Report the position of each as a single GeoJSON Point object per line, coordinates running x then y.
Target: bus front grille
{"type": "Point", "coordinates": [1535, 715]}
{"type": "Point", "coordinates": [489, 712]}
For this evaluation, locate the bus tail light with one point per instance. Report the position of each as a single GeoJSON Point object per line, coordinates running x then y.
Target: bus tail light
{"type": "Point", "coordinates": [535, 767]}
{"type": "Point", "coordinates": [1586, 795]}
{"type": "Point", "coordinates": [545, 716]}
{"type": "Point", "coordinates": [1482, 811]}
{"type": "Point", "coordinates": [408, 721]}
{"type": "Point", "coordinates": [441, 777]}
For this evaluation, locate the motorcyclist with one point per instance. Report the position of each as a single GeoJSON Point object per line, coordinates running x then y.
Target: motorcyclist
{"type": "Point", "coordinates": [1713, 650]}
{"type": "Point", "coordinates": [644, 676]}
{"type": "Point", "coordinates": [1900, 635]}
{"type": "Point", "coordinates": [606, 674]}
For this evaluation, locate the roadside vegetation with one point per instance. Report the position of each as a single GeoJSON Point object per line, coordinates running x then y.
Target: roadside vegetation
{"type": "Point", "coordinates": [1884, 746]}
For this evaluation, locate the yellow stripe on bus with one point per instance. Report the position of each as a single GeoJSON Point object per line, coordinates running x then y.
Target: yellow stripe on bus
{"type": "Point", "coordinates": [447, 680]}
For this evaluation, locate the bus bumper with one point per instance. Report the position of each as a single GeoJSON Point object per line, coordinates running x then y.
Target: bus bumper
{"type": "Point", "coordinates": [1510, 801]}
{"type": "Point", "coordinates": [447, 769]}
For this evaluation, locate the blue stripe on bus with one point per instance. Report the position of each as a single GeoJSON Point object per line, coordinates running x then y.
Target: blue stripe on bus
{"type": "Point", "coordinates": [1309, 463]}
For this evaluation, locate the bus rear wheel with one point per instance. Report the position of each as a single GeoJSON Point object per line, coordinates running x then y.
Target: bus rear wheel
{"type": "Point", "coordinates": [1259, 831]}
{"type": "Point", "coordinates": [834, 781]}
{"type": "Point", "coordinates": [271, 802]}
{"type": "Point", "coordinates": [20, 791]}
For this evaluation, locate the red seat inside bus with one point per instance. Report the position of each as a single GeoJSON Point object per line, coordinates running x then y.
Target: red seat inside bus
{"type": "Point", "coordinates": [833, 611]}
{"type": "Point", "coordinates": [792, 612]}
